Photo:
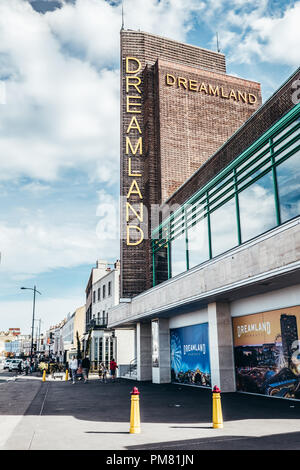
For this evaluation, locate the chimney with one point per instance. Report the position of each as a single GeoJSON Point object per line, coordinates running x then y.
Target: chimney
{"type": "Point", "coordinates": [101, 264]}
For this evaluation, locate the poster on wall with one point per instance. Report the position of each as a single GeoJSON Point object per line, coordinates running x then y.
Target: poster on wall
{"type": "Point", "coordinates": [267, 355]}
{"type": "Point", "coordinates": [190, 362]}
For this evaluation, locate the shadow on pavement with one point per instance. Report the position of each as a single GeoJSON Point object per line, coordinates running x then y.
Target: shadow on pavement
{"type": "Point", "coordinates": [288, 441]}
{"type": "Point", "coordinates": [110, 402]}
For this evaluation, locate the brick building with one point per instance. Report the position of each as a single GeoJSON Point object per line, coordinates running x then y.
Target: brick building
{"type": "Point", "coordinates": [178, 106]}
{"type": "Point", "coordinates": [224, 306]}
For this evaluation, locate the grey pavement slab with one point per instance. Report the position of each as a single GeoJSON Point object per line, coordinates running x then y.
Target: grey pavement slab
{"type": "Point", "coordinates": [60, 415]}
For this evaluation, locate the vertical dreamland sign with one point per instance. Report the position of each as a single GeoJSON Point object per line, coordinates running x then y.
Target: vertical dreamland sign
{"type": "Point", "coordinates": [134, 153]}
{"type": "Point", "coordinates": [267, 353]}
{"type": "Point", "coordinates": [133, 212]}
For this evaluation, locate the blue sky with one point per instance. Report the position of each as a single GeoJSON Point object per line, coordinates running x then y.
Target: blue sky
{"type": "Point", "coordinates": [59, 126]}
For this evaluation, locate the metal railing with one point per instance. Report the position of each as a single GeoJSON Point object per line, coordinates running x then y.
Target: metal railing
{"type": "Point", "coordinates": [133, 367]}
{"type": "Point", "coordinates": [98, 323]}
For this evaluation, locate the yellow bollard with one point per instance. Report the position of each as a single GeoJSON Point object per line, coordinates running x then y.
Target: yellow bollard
{"type": "Point", "coordinates": [217, 408]}
{"type": "Point", "coordinates": [44, 375]}
{"type": "Point", "coordinates": [135, 422]}
{"type": "Point", "coordinates": [67, 374]}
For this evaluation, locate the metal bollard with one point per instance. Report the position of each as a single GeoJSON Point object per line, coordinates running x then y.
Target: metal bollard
{"type": "Point", "coordinates": [67, 375]}
{"type": "Point", "coordinates": [44, 375]}
{"type": "Point", "coordinates": [135, 422]}
{"type": "Point", "coordinates": [217, 408]}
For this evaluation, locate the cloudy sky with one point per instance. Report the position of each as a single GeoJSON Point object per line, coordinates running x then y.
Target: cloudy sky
{"type": "Point", "coordinates": [59, 126]}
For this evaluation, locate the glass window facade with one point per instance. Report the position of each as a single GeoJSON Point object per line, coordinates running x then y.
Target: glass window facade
{"type": "Point", "coordinates": [178, 255]}
{"type": "Point", "coordinates": [288, 180]}
{"type": "Point", "coordinates": [257, 208]}
{"type": "Point", "coordinates": [160, 262]}
{"type": "Point", "coordinates": [198, 246]}
{"type": "Point", "coordinates": [258, 191]}
{"type": "Point", "coordinates": [223, 228]}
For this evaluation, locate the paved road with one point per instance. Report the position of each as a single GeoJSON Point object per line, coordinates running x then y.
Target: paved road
{"type": "Point", "coordinates": [59, 415]}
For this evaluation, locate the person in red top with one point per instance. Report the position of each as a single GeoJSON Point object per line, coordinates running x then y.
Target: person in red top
{"type": "Point", "coordinates": [112, 367]}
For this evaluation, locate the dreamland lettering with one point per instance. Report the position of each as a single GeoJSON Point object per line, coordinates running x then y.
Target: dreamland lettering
{"type": "Point", "coordinates": [209, 89]}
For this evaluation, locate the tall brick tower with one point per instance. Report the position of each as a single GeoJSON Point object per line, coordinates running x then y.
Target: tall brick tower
{"type": "Point", "coordinates": [178, 106]}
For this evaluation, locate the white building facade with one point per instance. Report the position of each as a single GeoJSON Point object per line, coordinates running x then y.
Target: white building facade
{"type": "Point", "coordinates": [105, 344]}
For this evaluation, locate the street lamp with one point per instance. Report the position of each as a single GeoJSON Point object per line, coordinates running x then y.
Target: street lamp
{"type": "Point", "coordinates": [33, 311]}
{"type": "Point", "coordinates": [38, 334]}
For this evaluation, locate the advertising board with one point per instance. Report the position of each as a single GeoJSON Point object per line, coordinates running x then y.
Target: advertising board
{"type": "Point", "coordinates": [190, 363]}
{"type": "Point", "coordinates": [266, 350]}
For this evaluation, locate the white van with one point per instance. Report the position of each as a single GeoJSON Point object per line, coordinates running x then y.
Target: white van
{"type": "Point", "coordinates": [6, 363]}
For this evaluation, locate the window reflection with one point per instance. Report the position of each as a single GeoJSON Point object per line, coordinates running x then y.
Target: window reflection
{"type": "Point", "coordinates": [198, 243]}
{"type": "Point", "coordinates": [224, 228]}
{"type": "Point", "coordinates": [178, 255]}
{"type": "Point", "coordinates": [257, 208]}
{"type": "Point", "coordinates": [161, 265]}
{"type": "Point", "coordinates": [288, 180]}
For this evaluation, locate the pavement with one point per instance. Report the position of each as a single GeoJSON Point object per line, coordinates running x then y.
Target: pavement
{"type": "Point", "coordinates": [57, 415]}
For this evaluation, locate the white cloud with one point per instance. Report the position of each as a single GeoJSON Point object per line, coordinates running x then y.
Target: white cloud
{"type": "Point", "coordinates": [35, 187]}
{"type": "Point", "coordinates": [62, 83]}
{"type": "Point", "coordinates": [281, 37]}
{"type": "Point", "coordinates": [90, 28]}
{"type": "Point", "coordinates": [35, 245]}
{"type": "Point", "coordinates": [256, 30]}
{"type": "Point", "coordinates": [18, 314]}
{"type": "Point", "coordinates": [59, 112]}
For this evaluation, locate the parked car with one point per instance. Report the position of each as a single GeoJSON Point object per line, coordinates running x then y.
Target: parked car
{"type": "Point", "coordinates": [14, 365]}
{"type": "Point", "coordinates": [6, 363]}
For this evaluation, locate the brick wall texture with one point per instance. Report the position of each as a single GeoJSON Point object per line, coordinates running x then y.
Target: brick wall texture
{"type": "Point", "coordinates": [267, 115]}
{"type": "Point", "coordinates": [182, 127]}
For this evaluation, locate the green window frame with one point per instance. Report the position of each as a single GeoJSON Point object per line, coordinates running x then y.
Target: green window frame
{"type": "Point", "coordinates": [276, 145]}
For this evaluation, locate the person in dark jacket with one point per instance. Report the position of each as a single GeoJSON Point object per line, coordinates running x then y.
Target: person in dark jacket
{"type": "Point", "coordinates": [86, 364]}
{"type": "Point", "coordinates": [20, 367]}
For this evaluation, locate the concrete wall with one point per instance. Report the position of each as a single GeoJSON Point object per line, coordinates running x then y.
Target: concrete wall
{"type": "Point", "coordinates": [281, 298]}
{"type": "Point", "coordinates": [272, 254]}
{"type": "Point", "coordinates": [125, 346]}
{"type": "Point", "coordinates": [189, 318]}
{"type": "Point", "coordinates": [144, 355]}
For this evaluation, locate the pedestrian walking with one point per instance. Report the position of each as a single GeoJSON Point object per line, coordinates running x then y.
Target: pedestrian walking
{"type": "Point", "coordinates": [112, 367]}
{"type": "Point", "coordinates": [86, 364]}
{"type": "Point", "coordinates": [20, 367]}
{"type": "Point", "coordinates": [26, 367]}
{"type": "Point", "coordinates": [100, 371]}
{"type": "Point", "coordinates": [103, 372]}
{"type": "Point", "coordinates": [73, 368]}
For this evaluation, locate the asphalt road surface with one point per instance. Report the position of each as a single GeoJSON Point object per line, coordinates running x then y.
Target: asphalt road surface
{"type": "Point", "coordinates": [56, 414]}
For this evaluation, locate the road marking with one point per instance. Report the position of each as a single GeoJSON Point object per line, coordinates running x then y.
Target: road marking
{"type": "Point", "coordinates": [39, 417]}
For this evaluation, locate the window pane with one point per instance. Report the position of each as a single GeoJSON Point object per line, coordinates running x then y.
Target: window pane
{"type": "Point", "coordinates": [288, 179]}
{"type": "Point", "coordinates": [287, 150]}
{"type": "Point", "coordinates": [257, 208]}
{"type": "Point", "coordinates": [253, 157]}
{"type": "Point", "coordinates": [161, 265]}
{"type": "Point", "coordinates": [255, 174]}
{"type": "Point", "coordinates": [178, 255]}
{"type": "Point", "coordinates": [224, 228]}
{"type": "Point", "coordinates": [198, 243]}
{"type": "Point", "coordinates": [288, 128]}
